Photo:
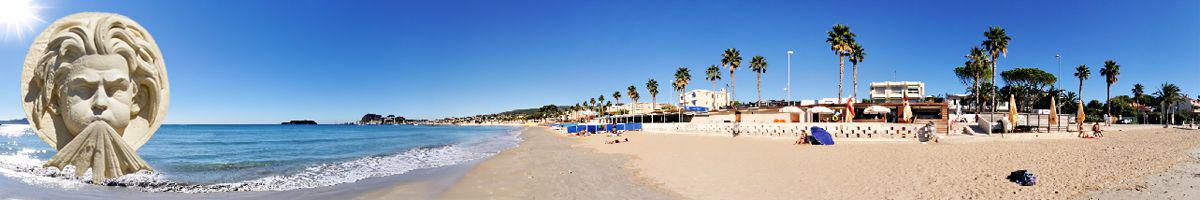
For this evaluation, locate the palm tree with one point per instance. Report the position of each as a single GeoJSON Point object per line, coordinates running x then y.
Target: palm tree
{"type": "Point", "coordinates": [603, 109]}
{"type": "Point", "coordinates": [1138, 91]}
{"type": "Point", "coordinates": [758, 64]}
{"type": "Point", "coordinates": [592, 106]}
{"type": "Point", "coordinates": [633, 94]}
{"type": "Point", "coordinates": [732, 58]}
{"type": "Point", "coordinates": [617, 97]}
{"type": "Point", "coordinates": [840, 40]}
{"type": "Point", "coordinates": [1110, 72]}
{"type": "Point", "coordinates": [652, 87]}
{"type": "Point", "coordinates": [977, 62]}
{"type": "Point", "coordinates": [996, 44]}
{"type": "Point", "coordinates": [1082, 72]}
{"type": "Point", "coordinates": [1168, 93]}
{"type": "Point", "coordinates": [682, 76]}
{"type": "Point", "coordinates": [713, 74]}
{"type": "Point", "coordinates": [857, 54]}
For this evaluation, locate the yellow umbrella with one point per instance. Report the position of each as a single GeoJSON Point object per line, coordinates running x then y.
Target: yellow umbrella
{"type": "Point", "coordinates": [1080, 116]}
{"type": "Point", "coordinates": [1053, 111]}
{"type": "Point", "coordinates": [1012, 109]}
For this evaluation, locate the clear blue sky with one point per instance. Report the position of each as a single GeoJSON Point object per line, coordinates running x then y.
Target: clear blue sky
{"type": "Point", "coordinates": [266, 62]}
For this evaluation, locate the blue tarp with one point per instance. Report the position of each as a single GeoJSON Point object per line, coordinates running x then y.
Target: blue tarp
{"type": "Point", "coordinates": [821, 136]}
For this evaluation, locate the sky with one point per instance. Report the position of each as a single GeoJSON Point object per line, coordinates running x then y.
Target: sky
{"type": "Point", "coordinates": [333, 61]}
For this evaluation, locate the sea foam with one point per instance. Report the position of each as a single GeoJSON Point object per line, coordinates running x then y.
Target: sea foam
{"type": "Point", "coordinates": [28, 169]}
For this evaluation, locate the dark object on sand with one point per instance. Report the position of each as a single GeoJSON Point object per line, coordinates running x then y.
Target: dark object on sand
{"type": "Point", "coordinates": [1023, 177]}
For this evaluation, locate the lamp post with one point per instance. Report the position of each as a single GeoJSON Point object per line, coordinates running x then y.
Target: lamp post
{"type": "Point", "coordinates": [789, 77]}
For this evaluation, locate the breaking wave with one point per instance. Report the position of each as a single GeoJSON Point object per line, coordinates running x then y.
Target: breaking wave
{"type": "Point", "coordinates": [26, 168]}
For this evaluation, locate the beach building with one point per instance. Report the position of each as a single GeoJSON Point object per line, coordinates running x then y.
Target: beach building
{"type": "Point", "coordinates": [635, 108]}
{"type": "Point", "coordinates": [895, 91]}
{"type": "Point", "coordinates": [705, 98]}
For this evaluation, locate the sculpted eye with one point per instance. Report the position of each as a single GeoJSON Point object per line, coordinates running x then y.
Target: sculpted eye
{"type": "Point", "coordinates": [81, 90]}
{"type": "Point", "coordinates": [119, 86]}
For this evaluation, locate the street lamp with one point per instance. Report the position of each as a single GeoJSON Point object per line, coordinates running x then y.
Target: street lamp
{"type": "Point", "coordinates": [789, 77]}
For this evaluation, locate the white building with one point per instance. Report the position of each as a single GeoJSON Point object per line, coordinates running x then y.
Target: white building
{"type": "Point", "coordinates": [638, 108]}
{"type": "Point", "coordinates": [705, 98]}
{"type": "Point", "coordinates": [894, 91]}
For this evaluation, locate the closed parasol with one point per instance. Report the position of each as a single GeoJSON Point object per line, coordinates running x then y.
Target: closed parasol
{"type": "Point", "coordinates": [1012, 109]}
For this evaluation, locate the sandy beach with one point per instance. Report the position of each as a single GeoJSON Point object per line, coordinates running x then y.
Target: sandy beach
{"type": "Point", "coordinates": [545, 166]}
{"type": "Point", "coordinates": [1131, 162]}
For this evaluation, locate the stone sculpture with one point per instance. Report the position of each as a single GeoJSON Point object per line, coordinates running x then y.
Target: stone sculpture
{"type": "Point", "coordinates": [95, 88]}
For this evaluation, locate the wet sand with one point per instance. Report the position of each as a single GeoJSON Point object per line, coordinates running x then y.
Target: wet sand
{"type": "Point", "coordinates": [548, 166]}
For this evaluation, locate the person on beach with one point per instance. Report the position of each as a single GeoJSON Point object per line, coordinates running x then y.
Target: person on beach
{"type": "Point", "coordinates": [1096, 132]}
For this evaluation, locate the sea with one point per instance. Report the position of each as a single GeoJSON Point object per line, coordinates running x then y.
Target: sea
{"type": "Point", "coordinates": [260, 161]}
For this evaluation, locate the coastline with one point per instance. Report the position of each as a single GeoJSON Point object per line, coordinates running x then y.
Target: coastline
{"type": "Point", "coordinates": [545, 166]}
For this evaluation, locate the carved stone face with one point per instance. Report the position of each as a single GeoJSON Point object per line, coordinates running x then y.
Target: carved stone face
{"type": "Point", "coordinates": [97, 89]}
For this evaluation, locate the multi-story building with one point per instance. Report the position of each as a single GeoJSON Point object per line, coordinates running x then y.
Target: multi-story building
{"type": "Point", "coordinates": [705, 98]}
{"type": "Point", "coordinates": [895, 91]}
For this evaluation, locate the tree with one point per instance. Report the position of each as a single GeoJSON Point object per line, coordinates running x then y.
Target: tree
{"type": "Point", "coordinates": [732, 58]}
{"type": "Point", "coordinates": [1138, 92]}
{"type": "Point", "coordinates": [652, 87]}
{"type": "Point", "coordinates": [758, 64]}
{"type": "Point", "coordinates": [633, 95]}
{"type": "Point", "coordinates": [1082, 72]}
{"type": "Point", "coordinates": [857, 54]}
{"type": "Point", "coordinates": [1028, 84]}
{"type": "Point", "coordinates": [546, 111]}
{"type": "Point", "coordinates": [603, 109]}
{"type": "Point", "coordinates": [974, 69]}
{"type": "Point", "coordinates": [713, 73]}
{"type": "Point", "coordinates": [617, 97]}
{"type": "Point", "coordinates": [840, 40]}
{"type": "Point", "coordinates": [1110, 72]}
{"type": "Point", "coordinates": [682, 76]}
{"type": "Point", "coordinates": [592, 105]}
{"type": "Point", "coordinates": [1168, 93]}
{"type": "Point", "coordinates": [996, 44]}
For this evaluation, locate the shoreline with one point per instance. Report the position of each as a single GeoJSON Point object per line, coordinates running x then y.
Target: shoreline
{"type": "Point", "coordinates": [545, 165]}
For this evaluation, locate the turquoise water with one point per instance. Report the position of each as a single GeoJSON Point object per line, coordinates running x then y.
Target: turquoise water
{"type": "Point", "coordinates": [221, 158]}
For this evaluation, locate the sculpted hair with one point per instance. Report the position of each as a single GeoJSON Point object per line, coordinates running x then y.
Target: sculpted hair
{"type": "Point", "coordinates": [109, 35]}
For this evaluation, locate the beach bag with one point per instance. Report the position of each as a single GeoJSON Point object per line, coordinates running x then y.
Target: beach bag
{"type": "Point", "coordinates": [1024, 177]}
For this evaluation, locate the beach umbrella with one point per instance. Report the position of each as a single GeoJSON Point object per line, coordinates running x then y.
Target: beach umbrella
{"type": "Point", "coordinates": [1080, 116]}
{"type": "Point", "coordinates": [1012, 109]}
{"type": "Point", "coordinates": [877, 110]}
{"type": "Point", "coordinates": [790, 109]}
{"type": "Point", "coordinates": [820, 110]}
{"type": "Point", "coordinates": [1053, 111]}
{"type": "Point", "coordinates": [907, 112]}
{"type": "Point", "coordinates": [850, 110]}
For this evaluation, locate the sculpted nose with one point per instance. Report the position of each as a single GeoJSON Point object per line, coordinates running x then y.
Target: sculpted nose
{"type": "Point", "coordinates": [100, 103]}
